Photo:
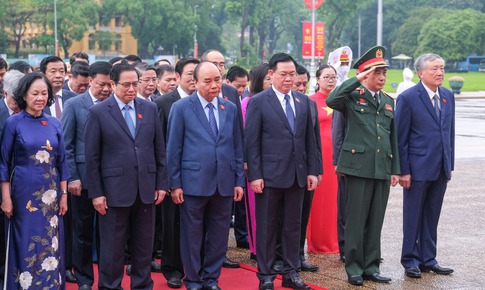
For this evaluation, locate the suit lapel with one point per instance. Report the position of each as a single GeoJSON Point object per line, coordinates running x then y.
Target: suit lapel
{"type": "Point", "coordinates": [222, 111]}
{"type": "Point", "coordinates": [444, 106]}
{"type": "Point", "coordinates": [199, 112]}
{"type": "Point", "coordinates": [139, 113]}
{"type": "Point", "coordinates": [115, 112]}
{"type": "Point", "coordinates": [275, 103]}
{"type": "Point", "coordinates": [87, 101]}
{"type": "Point", "coordinates": [368, 95]}
{"type": "Point", "coordinates": [423, 95]}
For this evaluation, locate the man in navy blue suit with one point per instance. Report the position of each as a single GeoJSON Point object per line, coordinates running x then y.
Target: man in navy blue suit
{"type": "Point", "coordinates": [126, 174]}
{"type": "Point", "coordinates": [425, 116]}
{"type": "Point", "coordinates": [73, 121]}
{"type": "Point", "coordinates": [205, 165]}
{"type": "Point", "coordinates": [282, 160]}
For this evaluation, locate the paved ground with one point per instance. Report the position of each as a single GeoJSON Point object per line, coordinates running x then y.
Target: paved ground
{"type": "Point", "coordinates": [461, 232]}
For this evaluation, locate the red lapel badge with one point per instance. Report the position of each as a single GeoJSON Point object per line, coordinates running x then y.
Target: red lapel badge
{"type": "Point", "coordinates": [44, 123]}
{"type": "Point", "coordinates": [226, 98]}
{"type": "Point", "coordinates": [388, 107]}
{"type": "Point", "coordinates": [140, 116]}
{"type": "Point", "coordinates": [444, 100]}
{"type": "Point", "coordinates": [222, 107]}
{"type": "Point", "coordinates": [297, 100]}
{"type": "Point", "coordinates": [362, 91]}
{"type": "Point", "coordinates": [361, 100]}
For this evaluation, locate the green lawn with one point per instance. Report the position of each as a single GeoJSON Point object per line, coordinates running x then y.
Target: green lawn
{"type": "Point", "coordinates": [474, 81]}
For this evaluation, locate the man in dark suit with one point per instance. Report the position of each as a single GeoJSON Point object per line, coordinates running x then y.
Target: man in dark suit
{"type": "Point", "coordinates": [369, 160]}
{"type": "Point", "coordinates": [8, 106]}
{"type": "Point", "coordinates": [78, 78]}
{"type": "Point", "coordinates": [230, 93]}
{"type": "Point", "coordinates": [54, 68]}
{"type": "Point", "coordinates": [425, 116]}
{"type": "Point", "coordinates": [73, 121]}
{"type": "Point", "coordinates": [172, 268]}
{"type": "Point", "coordinates": [126, 174]}
{"type": "Point", "coordinates": [281, 155]}
{"type": "Point", "coordinates": [205, 155]}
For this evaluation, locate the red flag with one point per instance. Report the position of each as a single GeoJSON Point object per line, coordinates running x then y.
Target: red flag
{"type": "Point", "coordinates": [317, 3]}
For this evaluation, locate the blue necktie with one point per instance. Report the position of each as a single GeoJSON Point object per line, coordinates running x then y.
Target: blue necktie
{"type": "Point", "coordinates": [212, 119]}
{"type": "Point", "coordinates": [436, 104]}
{"type": "Point", "coordinates": [289, 113]}
{"type": "Point", "coordinates": [129, 120]}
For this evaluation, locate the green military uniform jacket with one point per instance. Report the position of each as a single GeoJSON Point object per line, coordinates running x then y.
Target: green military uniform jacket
{"type": "Point", "coordinates": [370, 147]}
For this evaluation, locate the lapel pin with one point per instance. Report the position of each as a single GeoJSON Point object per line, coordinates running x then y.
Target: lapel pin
{"type": "Point", "coordinates": [222, 107]}
{"type": "Point", "coordinates": [44, 123]}
{"type": "Point", "coordinates": [297, 100]}
{"type": "Point", "coordinates": [226, 98]}
{"type": "Point", "coordinates": [444, 100]}
{"type": "Point", "coordinates": [362, 91]}
{"type": "Point", "coordinates": [140, 116]}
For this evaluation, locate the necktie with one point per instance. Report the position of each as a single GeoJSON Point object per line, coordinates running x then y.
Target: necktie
{"type": "Point", "coordinates": [289, 113]}
{"type": "Point", "coordinates": [129, 120]}
{"type": "Point", "coordinates": [58, 108]}
{"type": "Point", "coordinates": [212, 119]}
{"type": "Point", "coordinates": [378, 98]}
{"type": "Point", "coordinates": [436, 105]}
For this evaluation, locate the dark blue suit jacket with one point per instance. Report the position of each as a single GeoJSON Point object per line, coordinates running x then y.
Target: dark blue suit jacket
{"type": "Point", "coordinates": [426, 143]}
{"type": "Point", "coordinates": [274, 153]}
{"type": "Point", "coordinates": [74, 119]}
{"type": "Point", "coordinates": [198, 163]}
{"type": "Point", "coordinates": [4, 114]}
{"type": "Point", "coordinates": [119, 166]}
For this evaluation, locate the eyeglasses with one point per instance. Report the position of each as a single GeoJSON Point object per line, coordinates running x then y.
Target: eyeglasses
{"type": "Point", "coordinates": [327, 78]}
{"type": "Point", "coordinates": [127, 85]}
{"type": "Point", "coordinates": [149, 80]}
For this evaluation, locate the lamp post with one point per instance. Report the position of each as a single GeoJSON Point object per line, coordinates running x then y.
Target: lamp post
{"type": "Point", "coordinates": [55, 29]}
{"type": "Point", "coordinates": [313, 80]}
{"type": "Point", "coordinates": [196, 45]}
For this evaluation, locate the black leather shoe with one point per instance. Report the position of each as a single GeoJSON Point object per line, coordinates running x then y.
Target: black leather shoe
{"type": "Point", "coordinates": [230, 264]}
{"type": "Point", "coordinates": [437, 269]}
{"type": "Point", "coordinates": [70, 277]}
{"type": "Point", "coordinates": [174, 282]}
{"type": "Point", "coordinates": [266, 285]}
{"type": "Point", "coordinates": [155, 267]}
{"type": "Point", "coordinates": [295, 283]}
{"type": "Point", "coordinates": [278, 266]}
{"type": "Point", "coordinates": [307, 267]}
{"type": "Point", "coordinates": [85, 287]}
{"type": "Point", "coordinates": [356, 280]}
{"type": "Point", "coordinates": [213, 287]}
{"type": "Point", "coordinates": [243, 245]}
{"type": "Point", "coordinates": [377, 277]}
{"type": "Point", "coordinates": [413, 272]}
{"type": "Point", "coordinates": [128, 269]}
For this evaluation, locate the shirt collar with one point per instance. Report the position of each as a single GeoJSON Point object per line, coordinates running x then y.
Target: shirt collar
{"type": "Point", "coordinates": [430, 92]}
{"type": "Point", "coordinates": [182, 93]}
{"type": "Point", "coordinates": [121, 105]}
{"type": "Point", "coordinates": [280, 95]}
{"type": "Point", "coordinates": [10, 111]}
{"type": "Point", "coordinates": [204, 101]}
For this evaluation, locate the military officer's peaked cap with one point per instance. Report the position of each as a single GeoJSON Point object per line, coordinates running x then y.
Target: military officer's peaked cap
{"type": "Point", "coordinates": [373, 57]}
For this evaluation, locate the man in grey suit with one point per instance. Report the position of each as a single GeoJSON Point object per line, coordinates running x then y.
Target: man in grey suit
{"type": "Point", "coordinates": [281, 156]}
{"type": "Point", "coordinates": [126, 173]}
{"type": "Point", "coordinates": [73, 121]}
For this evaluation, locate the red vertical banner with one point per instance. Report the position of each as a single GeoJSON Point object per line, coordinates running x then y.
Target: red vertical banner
{"type": "Point", "coordinates": [317, 3]}
{"type": "Point", "coordinates": [306, 49]}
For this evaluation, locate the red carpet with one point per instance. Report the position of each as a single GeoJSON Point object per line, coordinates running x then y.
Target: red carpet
{"type": "Point", "coordinates": [231, 279]}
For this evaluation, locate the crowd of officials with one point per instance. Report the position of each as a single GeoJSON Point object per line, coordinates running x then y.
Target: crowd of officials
{"type": "Point", "coordinates": [122, 162]}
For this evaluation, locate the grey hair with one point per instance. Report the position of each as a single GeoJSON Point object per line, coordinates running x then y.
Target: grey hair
{"type": "Point", "coordinates": [11, 81]}
{"type": "Point", "coordinates": [420, 62]}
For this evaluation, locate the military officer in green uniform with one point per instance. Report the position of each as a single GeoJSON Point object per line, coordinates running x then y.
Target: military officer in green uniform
{"type": "Point", "coordinates": [369, 160]}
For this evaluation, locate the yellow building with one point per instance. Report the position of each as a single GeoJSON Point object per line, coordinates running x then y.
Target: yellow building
{"type": "Point", "coordinates": [124, 42]}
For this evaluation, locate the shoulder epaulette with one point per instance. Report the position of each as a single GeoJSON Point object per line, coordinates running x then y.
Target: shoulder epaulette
{"type": "Point", "coordinates": [386, 94]}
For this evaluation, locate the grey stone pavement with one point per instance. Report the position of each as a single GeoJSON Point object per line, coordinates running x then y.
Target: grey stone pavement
{"type": "Point", "coordinates": [461, 232]}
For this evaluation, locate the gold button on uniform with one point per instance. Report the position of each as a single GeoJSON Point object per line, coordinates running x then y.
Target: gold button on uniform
{"type": "Point", "coordinates": [379, 138]}
{"type": "Point", "coordinates": [353, 151]}
{"type": "Point", "coordinates": [361, 110]}
{"type": "Point", "coordinates": [377, 113]}
{"type": "Point", "coordinates": [378, 126]}
{"type": "Point", "coordinates": [378, 150]}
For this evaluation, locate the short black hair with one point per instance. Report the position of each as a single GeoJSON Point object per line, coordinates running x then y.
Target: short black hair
{"type": "Point", "coordinates": [24, 86]}
{"type": "Point", "coordinates": [80, 68]}
{"type": "Point", "coordinates": [163, 69]}
{"type": "Point", "coordinates": [80, 54]}
{"type": "Point", "coordinates": [179, 67]}
{"type": "Point", "coordinates": [280, 57]}
{"type": "Point", "coordinates": [160, 60]}
{"type": "Point", "coordinates": [322, 67]}
{"type": "Point", "coordinates": [21, 66]}
{"type": "Point", "coordinates": [115, 59]}
{"type": "Point", "coordinates": [101, 68]}
{"type": "Point", "coordinates": [134, 58]}
{"type": "Point", "coordinates": [301, 70]}
{"type": "Point", "coordinates": [3, 63]}
{"type": "Point", "coordinates": [45, 61]}
{"type": "Point", "coordinates": [120, 68]}
{"type": "Point", "coordinates": [258, 73]}
{"type": "Point", "coordinates": [236, 72]}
